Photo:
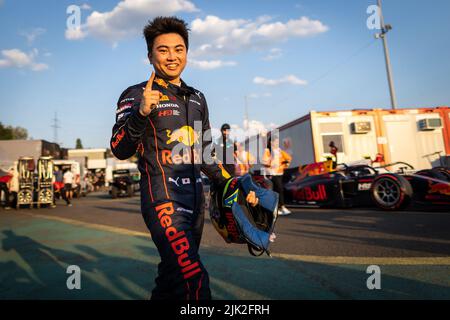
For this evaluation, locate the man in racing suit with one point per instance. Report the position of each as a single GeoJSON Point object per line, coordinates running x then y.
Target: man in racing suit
{"type": "Point", "coordinates": [167, 123]}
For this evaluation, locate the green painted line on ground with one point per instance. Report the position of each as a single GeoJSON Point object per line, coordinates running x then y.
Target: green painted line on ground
{"type": "Point", "coordinates": [96, 226]}
{"type": "Point", "coordinates": [115, 265]}
{"type": "Point", "coordinates": [443, 261]}
{"type": "Point", "coordinates": [410, 261]}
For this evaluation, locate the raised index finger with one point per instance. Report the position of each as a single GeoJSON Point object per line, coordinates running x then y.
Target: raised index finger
{"type": "Point", "coordinates": [149, 84]}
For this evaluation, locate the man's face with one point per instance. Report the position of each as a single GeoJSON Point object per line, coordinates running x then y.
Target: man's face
{"type": "Point", "coordinates": [169, 56]}
{"type": "Point", "coordinates": [226, 133]}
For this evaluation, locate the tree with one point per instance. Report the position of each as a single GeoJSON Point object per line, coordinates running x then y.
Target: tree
{"type": "Point", "coordinates": [5, 133]}
{"type": "Point", "coordinates": [19, 133]}
{"type": "Point", "coordinates": [79, 145]}
{"type": "Point", "coordinates": [12, 133]}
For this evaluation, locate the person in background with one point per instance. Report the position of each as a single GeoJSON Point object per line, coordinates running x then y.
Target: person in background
{"type": "Point", "coordinates": [4, 188]}
{"type": "Point", "coordinates": [13, 185]}
{"type": "Point", "coordinates": [244, 160]}
{"type": "Point", "coordinates": [58, 185]}
{"type": "Point", "coordinates": [333, 151]}
{"type": "Point", "coordinates": [276, 161]}
{"type": "Point", "coordinates": [225, 149]}
{"type": "Point", "coordinates": [68, 181]}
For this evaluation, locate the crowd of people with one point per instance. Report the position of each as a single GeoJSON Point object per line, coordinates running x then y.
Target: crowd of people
{"type": "Point", "coordinates": [238, 161]}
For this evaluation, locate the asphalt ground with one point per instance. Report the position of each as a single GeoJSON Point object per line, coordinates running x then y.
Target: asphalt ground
{"type": "Point", "coordinates": [318, 254]}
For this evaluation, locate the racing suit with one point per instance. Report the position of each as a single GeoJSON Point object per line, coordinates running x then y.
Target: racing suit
{"type": "Point", "coordinates": [170, 145]}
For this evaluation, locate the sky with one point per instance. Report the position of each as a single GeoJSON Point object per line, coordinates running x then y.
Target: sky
{"type": "Point", "coordinates": [285, 58]}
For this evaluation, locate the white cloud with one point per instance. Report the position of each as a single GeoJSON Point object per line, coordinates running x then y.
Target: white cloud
{"type": "Point", "coordinates": [259, 95]}
{"type": "Point", "coordinates": [213, 26]}
{"type": "Point", "coordinates": [128, 17]}
{"type": "Point", "coordinates": [15, 58]}
{"type": "Point", "coordinates": [39, 66]}
{"type": "Point", "coordinates": [254, 127]}
{"type": "Point", "coordinates": [274, 53]}
{"type": "Point", "coordinates": [260, 127]}
{"type": "Point", "coordinates": [240, 134]}
{"type": "Point", "coordinates": [290, 79]}
{"type": "Point", "coordinates": [75, 34]}
{"type": "Point", "coordinates": [210, 64]}
{"type": "Point", "coordinates": [85, 6]}
{"type": "Point", "coordinates": [214, 35]}
{"type": "Point", "coordinates": [32, 34]}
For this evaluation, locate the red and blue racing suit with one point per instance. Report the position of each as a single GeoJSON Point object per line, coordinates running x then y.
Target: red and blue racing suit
{"type": "Point", "coordinates": [172, 201]}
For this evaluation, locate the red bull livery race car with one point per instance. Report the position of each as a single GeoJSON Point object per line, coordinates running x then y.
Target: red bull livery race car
{"type": "Point", "coordinates": [390, 187]}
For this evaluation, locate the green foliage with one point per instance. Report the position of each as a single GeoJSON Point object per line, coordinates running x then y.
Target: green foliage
{"type": "Point", "coordinates": [78, 144]}
{"type": "Point", "coordinates": [12, 133]}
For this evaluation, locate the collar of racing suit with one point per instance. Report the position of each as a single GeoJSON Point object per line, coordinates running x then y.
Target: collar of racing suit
{"type": "Point", "coordinates": [182, 91]}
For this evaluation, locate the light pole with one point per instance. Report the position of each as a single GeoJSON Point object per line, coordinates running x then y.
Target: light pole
{"type": "Point", "coordinates": [382, 35]}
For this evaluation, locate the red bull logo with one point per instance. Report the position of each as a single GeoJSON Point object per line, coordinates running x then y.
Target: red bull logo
{"type": "Point", "coordinates": [307, 194]}
{"type": "Point", "coordinates": [441, 188]}
{"type": "Point", "coordinates": [119, 138]}
{"type": "Point", "coordinates": [185, 135]}
{"type": "Point", "coordinates": [177, 240]}
{"type": "Point", "coordinates": [185, 158]}
{"type": "Point", "coordinates": [316, 168]}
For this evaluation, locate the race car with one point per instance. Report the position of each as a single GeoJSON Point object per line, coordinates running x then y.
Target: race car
{"type": "Point", "coordinates": [319, 185]}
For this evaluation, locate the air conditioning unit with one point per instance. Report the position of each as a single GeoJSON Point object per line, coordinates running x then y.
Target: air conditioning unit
{"type": "Point", "coordinates": [360, 127]}
{"type": "Point", "coordinates": [430, 124]}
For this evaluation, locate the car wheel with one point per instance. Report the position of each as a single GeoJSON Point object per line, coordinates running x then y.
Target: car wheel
{"type": "Point", "coordinates": [391, 192]}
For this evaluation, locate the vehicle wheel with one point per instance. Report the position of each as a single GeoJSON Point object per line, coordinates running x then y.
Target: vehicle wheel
{"type": "Point", "coordinates": [130, 190]}
{"type": "Point", "coordinates": [391, 192]}
{"type": "Point", "coordinates": [25, 197]}
{"type": "Point", "coordinates": [114, 192]}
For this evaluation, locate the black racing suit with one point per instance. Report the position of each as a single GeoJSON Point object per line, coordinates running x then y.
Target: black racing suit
{"type": "Point", "coordinates": [224, 150]}
{"type": "Point", "coordinates": [170, 150]}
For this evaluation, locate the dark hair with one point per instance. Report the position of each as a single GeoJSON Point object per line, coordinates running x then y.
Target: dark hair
{"type": "Point", "coordinates": [163, 25]}
{"type": "Point", "coordinates": [225, 126]}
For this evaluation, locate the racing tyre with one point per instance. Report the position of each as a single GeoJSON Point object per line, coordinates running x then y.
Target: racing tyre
{"type": "Point", "coordinates": [391, 192]}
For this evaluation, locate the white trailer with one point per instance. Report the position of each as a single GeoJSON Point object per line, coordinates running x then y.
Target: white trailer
{"type": "Point", "coordinates": [407, 135]}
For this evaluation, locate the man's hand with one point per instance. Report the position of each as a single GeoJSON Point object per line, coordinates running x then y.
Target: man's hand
{"type": "Point", "coordinates": [252, 199]}
{"type": "Point", "coordinates": [150, 98]}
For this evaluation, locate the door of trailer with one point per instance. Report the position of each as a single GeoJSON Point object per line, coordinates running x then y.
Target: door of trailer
{"type": "Point", "coordinates": [400, 138]}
